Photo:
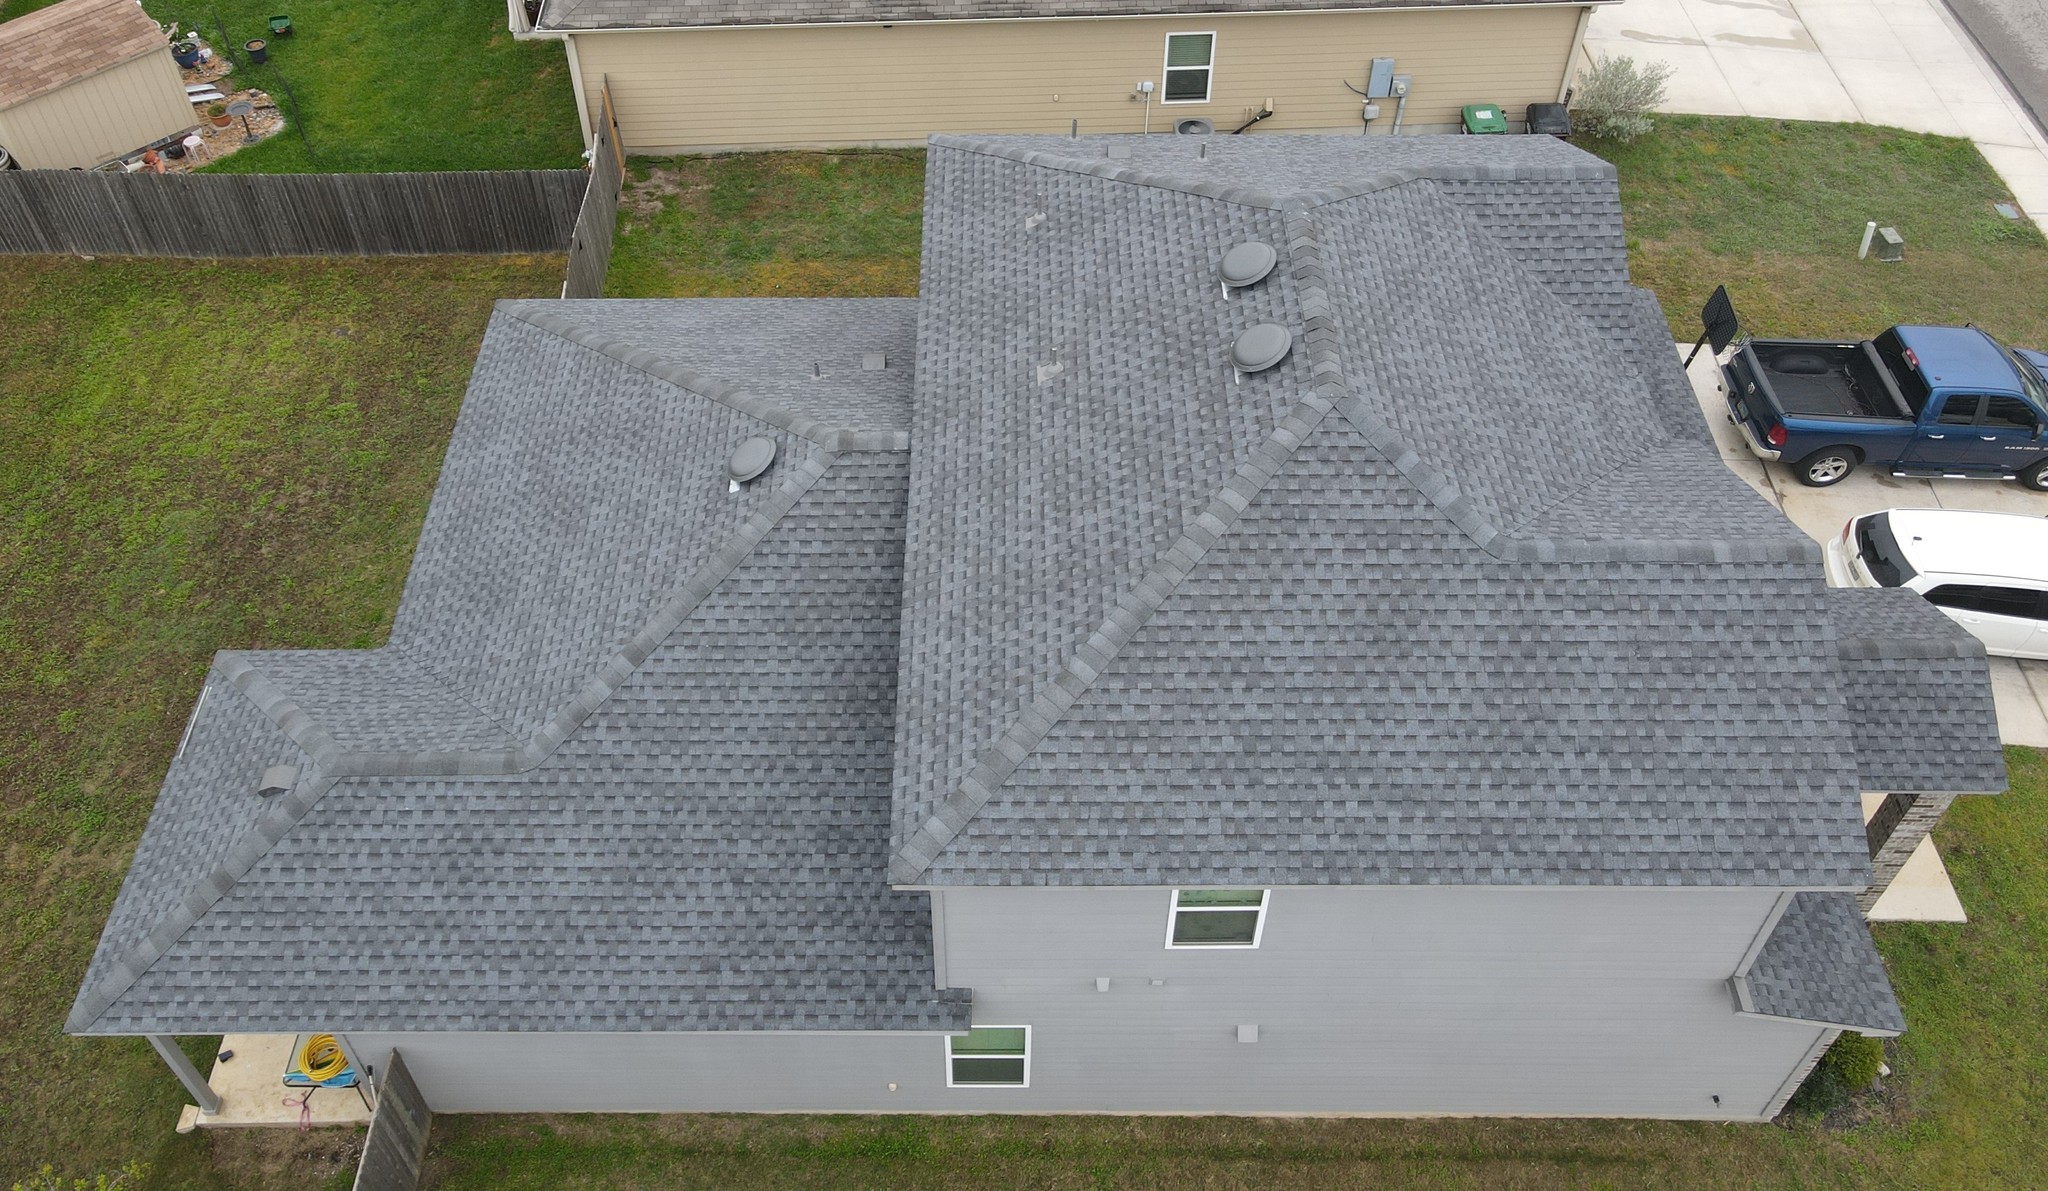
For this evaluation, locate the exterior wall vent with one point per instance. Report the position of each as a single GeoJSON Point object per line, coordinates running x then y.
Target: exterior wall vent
{"type": "Point", "coordinates": [750, 460]}
{"type": "Point", "coordinates": [1261, 347]}
{"type": "Point", "coordinates": [1247, 264]}
{"type": "Point", "coordinates": [278, 779]}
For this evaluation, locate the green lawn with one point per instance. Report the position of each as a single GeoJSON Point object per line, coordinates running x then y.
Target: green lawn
{"type": "Point", "coordinates": [193, 457]}
{"type": "Point", "coordinates": [198, 456]}
{"type": "Point", "coordinates": [391, 85]}
{"type": "Point", "coordinates": [1774, 210]}
{"type": "Point", "coordinates": [841, 225]}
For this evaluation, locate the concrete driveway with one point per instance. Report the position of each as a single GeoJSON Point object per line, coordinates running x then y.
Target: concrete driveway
{"type": "Point", "coordinates": [1904, 63]}
{"type": "Point", "coordinates": [2021, 688]}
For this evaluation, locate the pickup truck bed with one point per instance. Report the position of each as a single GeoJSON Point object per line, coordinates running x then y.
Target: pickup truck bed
{"type": "Point", "coordinates": [1828, 379]}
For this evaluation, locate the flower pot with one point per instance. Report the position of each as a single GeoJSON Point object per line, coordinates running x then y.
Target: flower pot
{"type": "Point", "coordinates": [219, 116]}
{"type": "Point", "coordinates": [258, 51]}
{"type": "Point", "coordinates": [185, 54]}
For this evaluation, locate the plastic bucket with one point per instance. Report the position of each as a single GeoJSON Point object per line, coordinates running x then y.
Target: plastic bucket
{"type": "Point", "coordinates": [258, 50]}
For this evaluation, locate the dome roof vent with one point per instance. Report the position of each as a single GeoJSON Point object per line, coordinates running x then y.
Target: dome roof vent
{"type": "Point", "coordinates": [1261, 347]}
{"type": "Point", "coordinates": [750, 459]}
{"type": "Point", "coordinates": [1247, 264]}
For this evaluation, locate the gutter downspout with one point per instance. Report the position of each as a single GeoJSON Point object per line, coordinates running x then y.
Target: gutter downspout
{"type": "Point", "coordinates": [1571, 60]}
{"type": "Point", "coordinates": [167, 1050]}
{"type": "Point", "coordinates": [576, 84]}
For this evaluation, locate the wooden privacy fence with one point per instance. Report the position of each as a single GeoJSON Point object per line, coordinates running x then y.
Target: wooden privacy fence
{"type": "Point", "coordinates": [590, 249]}
{"type": "Point", "coordinates": [215, 215]}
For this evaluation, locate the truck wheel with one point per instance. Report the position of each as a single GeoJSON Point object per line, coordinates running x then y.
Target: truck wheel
{"type": "Point", "coordinates": [1826, 467]}
{"type": "Point", "coordinates": [2036, 477]}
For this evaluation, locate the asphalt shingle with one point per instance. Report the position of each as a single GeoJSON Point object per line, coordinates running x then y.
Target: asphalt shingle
{"type": "Point", "coordinates": [1821, 966]}
{"type": "Point", "coordinates": [1919, 693]}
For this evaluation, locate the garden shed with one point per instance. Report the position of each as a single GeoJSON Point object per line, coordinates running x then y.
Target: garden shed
{"type": "Point", "coordinates": [85, 81]}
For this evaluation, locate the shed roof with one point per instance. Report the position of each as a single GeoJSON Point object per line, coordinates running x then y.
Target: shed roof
{"type": "Point", "coordinates": [52, 47]}
{"type": "Point", "coordinates": [677, 14]}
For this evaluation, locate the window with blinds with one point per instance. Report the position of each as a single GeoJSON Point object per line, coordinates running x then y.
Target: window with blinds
{"type": "Point", "coordinates": [1190, 60]}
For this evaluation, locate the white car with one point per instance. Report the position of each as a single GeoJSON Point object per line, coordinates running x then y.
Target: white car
{"type": "Point", "coordinates": [1988, 571]}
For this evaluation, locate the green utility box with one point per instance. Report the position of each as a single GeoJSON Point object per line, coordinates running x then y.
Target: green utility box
{"type": "Point", "coordinates": [1485, 117]}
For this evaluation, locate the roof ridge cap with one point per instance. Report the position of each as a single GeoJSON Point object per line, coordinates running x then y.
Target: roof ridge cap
{"type": "Point", "coordinates": [540, 313]}
{"type": "Point", "coordinates": [1384, 178]}
{"type": "Point", "coordinates": [1506, 543]}
{"type": "Point", "coordinates": [1168, 570]}
{"type": "Point", "coordinates": [1137, 605]}
{"type": "Point", "coordinates": [337, 763]}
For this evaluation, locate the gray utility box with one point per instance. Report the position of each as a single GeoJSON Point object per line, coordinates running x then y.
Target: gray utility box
{"type": "Point", "coordinates": [1890, 245]}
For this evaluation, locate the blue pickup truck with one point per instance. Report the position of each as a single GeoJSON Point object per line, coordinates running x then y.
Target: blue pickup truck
{"type": "Point", "coordinates": [1917, 401]}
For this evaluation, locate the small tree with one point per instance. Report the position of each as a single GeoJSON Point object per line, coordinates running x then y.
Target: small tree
{"type": "Point", "coordinates": [1614, 96]}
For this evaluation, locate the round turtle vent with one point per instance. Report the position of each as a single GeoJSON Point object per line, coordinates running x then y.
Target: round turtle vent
{"type": "Point", "coordinates": [1261, 347]}
{"type": "Point", "coordinates": [751, 459]}
{"type": "Point", "coordinates": [1247, 264]}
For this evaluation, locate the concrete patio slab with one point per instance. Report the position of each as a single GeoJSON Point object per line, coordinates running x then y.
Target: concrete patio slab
{"type": "Point", "coordinates": [252, 1092]}
{"type": "Point", "coordinates": [2019, 687]}
{"type": "Point", "coordinates": [1922, 891]}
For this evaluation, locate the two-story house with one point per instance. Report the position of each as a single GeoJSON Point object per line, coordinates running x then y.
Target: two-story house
{"type": "Point", "coordinates": [1265, 630]}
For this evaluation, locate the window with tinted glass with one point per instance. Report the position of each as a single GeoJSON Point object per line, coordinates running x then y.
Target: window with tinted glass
{"type": "Point", "coordinates": [2008, 413]}
{"type": "Point", "coordinates": [1190, 58]}
{"type": "Point", "coordinates": [1993, 601]}
{"type": "Point", "coordinates": [1216, 918]}
{"type": "Point", "coordinates": [1879, 551]}
{"type": "Point", "coordinates": [1960, 409]}
{"type": "Point", "coordinates": [1912, 386]}
{"type": "Point", "coordinates": [989, 1057]}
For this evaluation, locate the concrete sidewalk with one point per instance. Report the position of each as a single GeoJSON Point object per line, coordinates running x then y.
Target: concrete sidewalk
{"type": "Point", "coordinates": [1904, 63]}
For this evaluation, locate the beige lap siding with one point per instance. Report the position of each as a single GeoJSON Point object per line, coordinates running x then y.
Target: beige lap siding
{"type": "Point", "coordinates": [99, 117]}
{"type": "Point", "coordinates": [850, 85]}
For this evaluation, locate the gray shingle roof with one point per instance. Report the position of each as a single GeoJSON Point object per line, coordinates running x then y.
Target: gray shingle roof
{"type": "Point", "coordinates": [1415, 605]}
{"type": "Point", "coordinates": [662, 14]}
{"type": "Point", "coordinates": [1919, 695]}
{"type": "Point", "coordinates": [1251, 630]}
{"type": "Point", "coordinates": [1820, 966]}
{"type": "Point", "coordinates": [693, 839]}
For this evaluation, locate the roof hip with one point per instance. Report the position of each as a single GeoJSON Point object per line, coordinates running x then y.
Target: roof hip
{"type": "Point", "coordinates": [333, 762]}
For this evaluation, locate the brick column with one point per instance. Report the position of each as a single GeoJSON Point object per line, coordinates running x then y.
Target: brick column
{"type": "Point", "coordinates": [1894, 831]}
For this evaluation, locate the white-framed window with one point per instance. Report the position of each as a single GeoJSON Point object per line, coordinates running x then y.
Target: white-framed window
{"type": "Point", "coordinates": [1216, 918]}
{"type": "Point", "coordinates": [1190, 60]}
{"type": "Point", "coordinates": [989, 1057]}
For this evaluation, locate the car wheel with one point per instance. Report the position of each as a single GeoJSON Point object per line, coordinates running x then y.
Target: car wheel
{"type": "Point", "coordinates": [1826, 467]}
{"type": "Point", "coordinates": [2036, 477]}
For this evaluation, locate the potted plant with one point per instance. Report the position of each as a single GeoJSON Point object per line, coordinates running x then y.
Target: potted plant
{"type": "Point", "coordinates": [218, 113]}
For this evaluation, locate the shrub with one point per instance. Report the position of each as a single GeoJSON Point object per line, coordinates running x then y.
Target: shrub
{"type": "Point", "coordinates": [1855, 1059]}
{"type": "Point", "coordinates": [1849, 1067]}
{"type": "Point", "coordinates": [1614, 96]}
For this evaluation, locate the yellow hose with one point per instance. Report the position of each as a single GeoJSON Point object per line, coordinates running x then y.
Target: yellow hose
{"type": "Point", "coordinates": [321, 1059]}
